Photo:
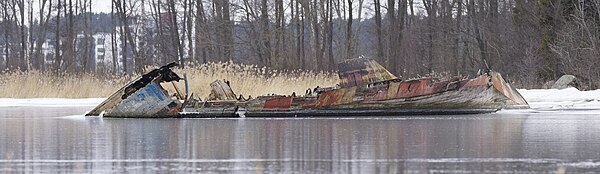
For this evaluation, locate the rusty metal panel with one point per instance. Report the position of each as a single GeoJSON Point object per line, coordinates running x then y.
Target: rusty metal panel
{"type": "Point", "coordinates": [283, 103]}
{"type": "Point", "coordinates": [376, 93]}
{"type": "Point", "coordinates": [327, 99]}
{"type": "Point", "coordinates": [439, 86]}
{"type": "Point", "coordinates": [148, 101]}
{"type": "Point", "coordinates": [336, 97]}
{"type": "Point", "coordinates": [477, 82]}
{"type": "Point", "coordinates": [410, 89]}
{"type": "Point", "coordinates": [345, 95]}
{"type": "Point", "coordinates": [420, 87]}
{"type": "Point", "coordinates": [505, 88]}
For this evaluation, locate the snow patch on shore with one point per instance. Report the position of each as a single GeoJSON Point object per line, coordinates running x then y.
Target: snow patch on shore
{"type": "Point", "coordinates": [561, 99]}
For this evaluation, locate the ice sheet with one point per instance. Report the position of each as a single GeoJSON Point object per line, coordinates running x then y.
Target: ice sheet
{"type": "Point", "coordinates": [49, 102]}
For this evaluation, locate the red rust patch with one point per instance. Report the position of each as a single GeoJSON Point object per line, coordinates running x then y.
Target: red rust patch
{"type": "Point", "coordinates": [284, 103]}
{"type": "Point", "coordinates": [327, 99]}
{"type": "Point", "coordinates": [477, 82]}
{"type": "Point", "coordinates": [412, 89]}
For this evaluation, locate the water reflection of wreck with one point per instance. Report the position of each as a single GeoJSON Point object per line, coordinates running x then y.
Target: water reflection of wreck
{"type": "Point", "coordinates": [366, 89]}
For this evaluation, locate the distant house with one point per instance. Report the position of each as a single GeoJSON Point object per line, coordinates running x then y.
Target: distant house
{"type": "Point", "coordinates": [48, 51]}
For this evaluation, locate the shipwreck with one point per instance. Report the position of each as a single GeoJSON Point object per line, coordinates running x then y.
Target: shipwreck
{"type": "Point", "coordinates": [366, 89]}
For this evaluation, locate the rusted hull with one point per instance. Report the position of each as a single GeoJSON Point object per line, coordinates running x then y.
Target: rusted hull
{"type": "Point", "coordinates": [411, 106]}
{"type": "Point", "coordinates": [366, 89]}
{"type": "Point", "coordinates": [484, 94]}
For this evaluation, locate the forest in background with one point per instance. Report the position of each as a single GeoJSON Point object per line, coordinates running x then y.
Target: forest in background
{"type": "Point", "coordinates": [529, 41]}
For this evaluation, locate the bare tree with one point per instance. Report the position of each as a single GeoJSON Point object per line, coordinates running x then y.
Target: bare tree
{"type": "Point", "coordinates": [113, 37]}
{"type": "Point", "coordinates": [23, 64]}
{"type": "Point", "coordinates": [349, 36]}
{"type": "Point", "coordinates": [201, 34]}
{"type": "Point", "coordinates": [174, 28]}
{"type": "Point", "coordinates": [377, 4]}
{"type": "Point", "coordinates": [330, 34]}
{"type": "Point", "coordinates": [57, 53]}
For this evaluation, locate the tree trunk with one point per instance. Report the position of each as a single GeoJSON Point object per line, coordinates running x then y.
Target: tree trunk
{"type": "Point", "coordinates": [349, 36]}
{"type": "Point", "coordinates": [113, 39]}
{"type": "Point", "coordinates": [23, 64]}
{"type": "Point", "coordinates": [316, 35]}
{"type": "Point", "coordinates": [431, 9]}
{"type": "Point", "coordinates": [189, 25]}
{"type": "Point", "coordinates": [57, 59]}
{"type": "Point", "coordinates": [7, 27]}
{"type": "Point", "coordinates": [332, 65]}
{"type": "Point", "coordinates": [458, 37]}
{"type": "Point", "coordinates": [69, 54]}
{"type": "Point", "coordinates": [300, 27]}
{"type": "Point", "coordinates": [280, 34]}
{"type": "Point", "coordinates": [175, 33]}
{"type": "Point", "coordinates": [120, 7]}
{"type": "Point", "coordinates": [402, 7]}
{"type": "Point", "coordinates": [478, 36]}
{"type": "Point", "coordinates": [87, 59]}
{"type": "Point", "coordinates": [265, 49]}
{"type": "Point", "coordinates": [228, 32]}
{"type": "Point", "coordinates": [377, 4]}
{"type": "Point", "coordinates": [547, 22]}
{"type": "Point", "coordinates": [200, 48]}
{"type": "Point", "coordinates": [39, 61]}
{"type": "Point", "coordinates": [392, 40]}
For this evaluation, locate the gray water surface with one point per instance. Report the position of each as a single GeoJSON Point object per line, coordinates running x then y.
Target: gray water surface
{"type": "Point", "coordinates": [60, 140]}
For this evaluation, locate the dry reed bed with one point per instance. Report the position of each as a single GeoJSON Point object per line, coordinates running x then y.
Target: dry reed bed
{"type": "Point", "coordinates": [245, 79]}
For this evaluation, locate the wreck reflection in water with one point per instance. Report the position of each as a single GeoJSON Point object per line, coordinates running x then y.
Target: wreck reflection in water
{"type": "Point", "coordinates": [45, 140]}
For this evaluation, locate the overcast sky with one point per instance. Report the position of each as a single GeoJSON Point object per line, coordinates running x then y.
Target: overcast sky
{"type": "Point", "coordinates": [101, 6]}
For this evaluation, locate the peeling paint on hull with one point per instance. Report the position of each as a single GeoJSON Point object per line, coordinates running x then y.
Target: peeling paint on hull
{"type": "Point", "coordinates": [150, 100]}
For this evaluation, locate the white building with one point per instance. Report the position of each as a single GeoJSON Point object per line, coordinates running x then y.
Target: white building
{"type": "Point", "coordinates": [103, 51]}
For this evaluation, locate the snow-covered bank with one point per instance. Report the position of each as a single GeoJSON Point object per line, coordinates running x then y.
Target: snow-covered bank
{"type": "Point", "coordinates": [561, 99]}
{"type": "Point", "coordinates": [49, 102]}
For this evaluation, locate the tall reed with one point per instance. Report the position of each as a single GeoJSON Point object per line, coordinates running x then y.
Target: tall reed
{"type": "Point", "coordinates": [244, 79]}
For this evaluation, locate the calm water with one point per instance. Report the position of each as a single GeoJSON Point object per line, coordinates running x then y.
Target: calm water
{"type": "Point", "coordinates": [57, 140]}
